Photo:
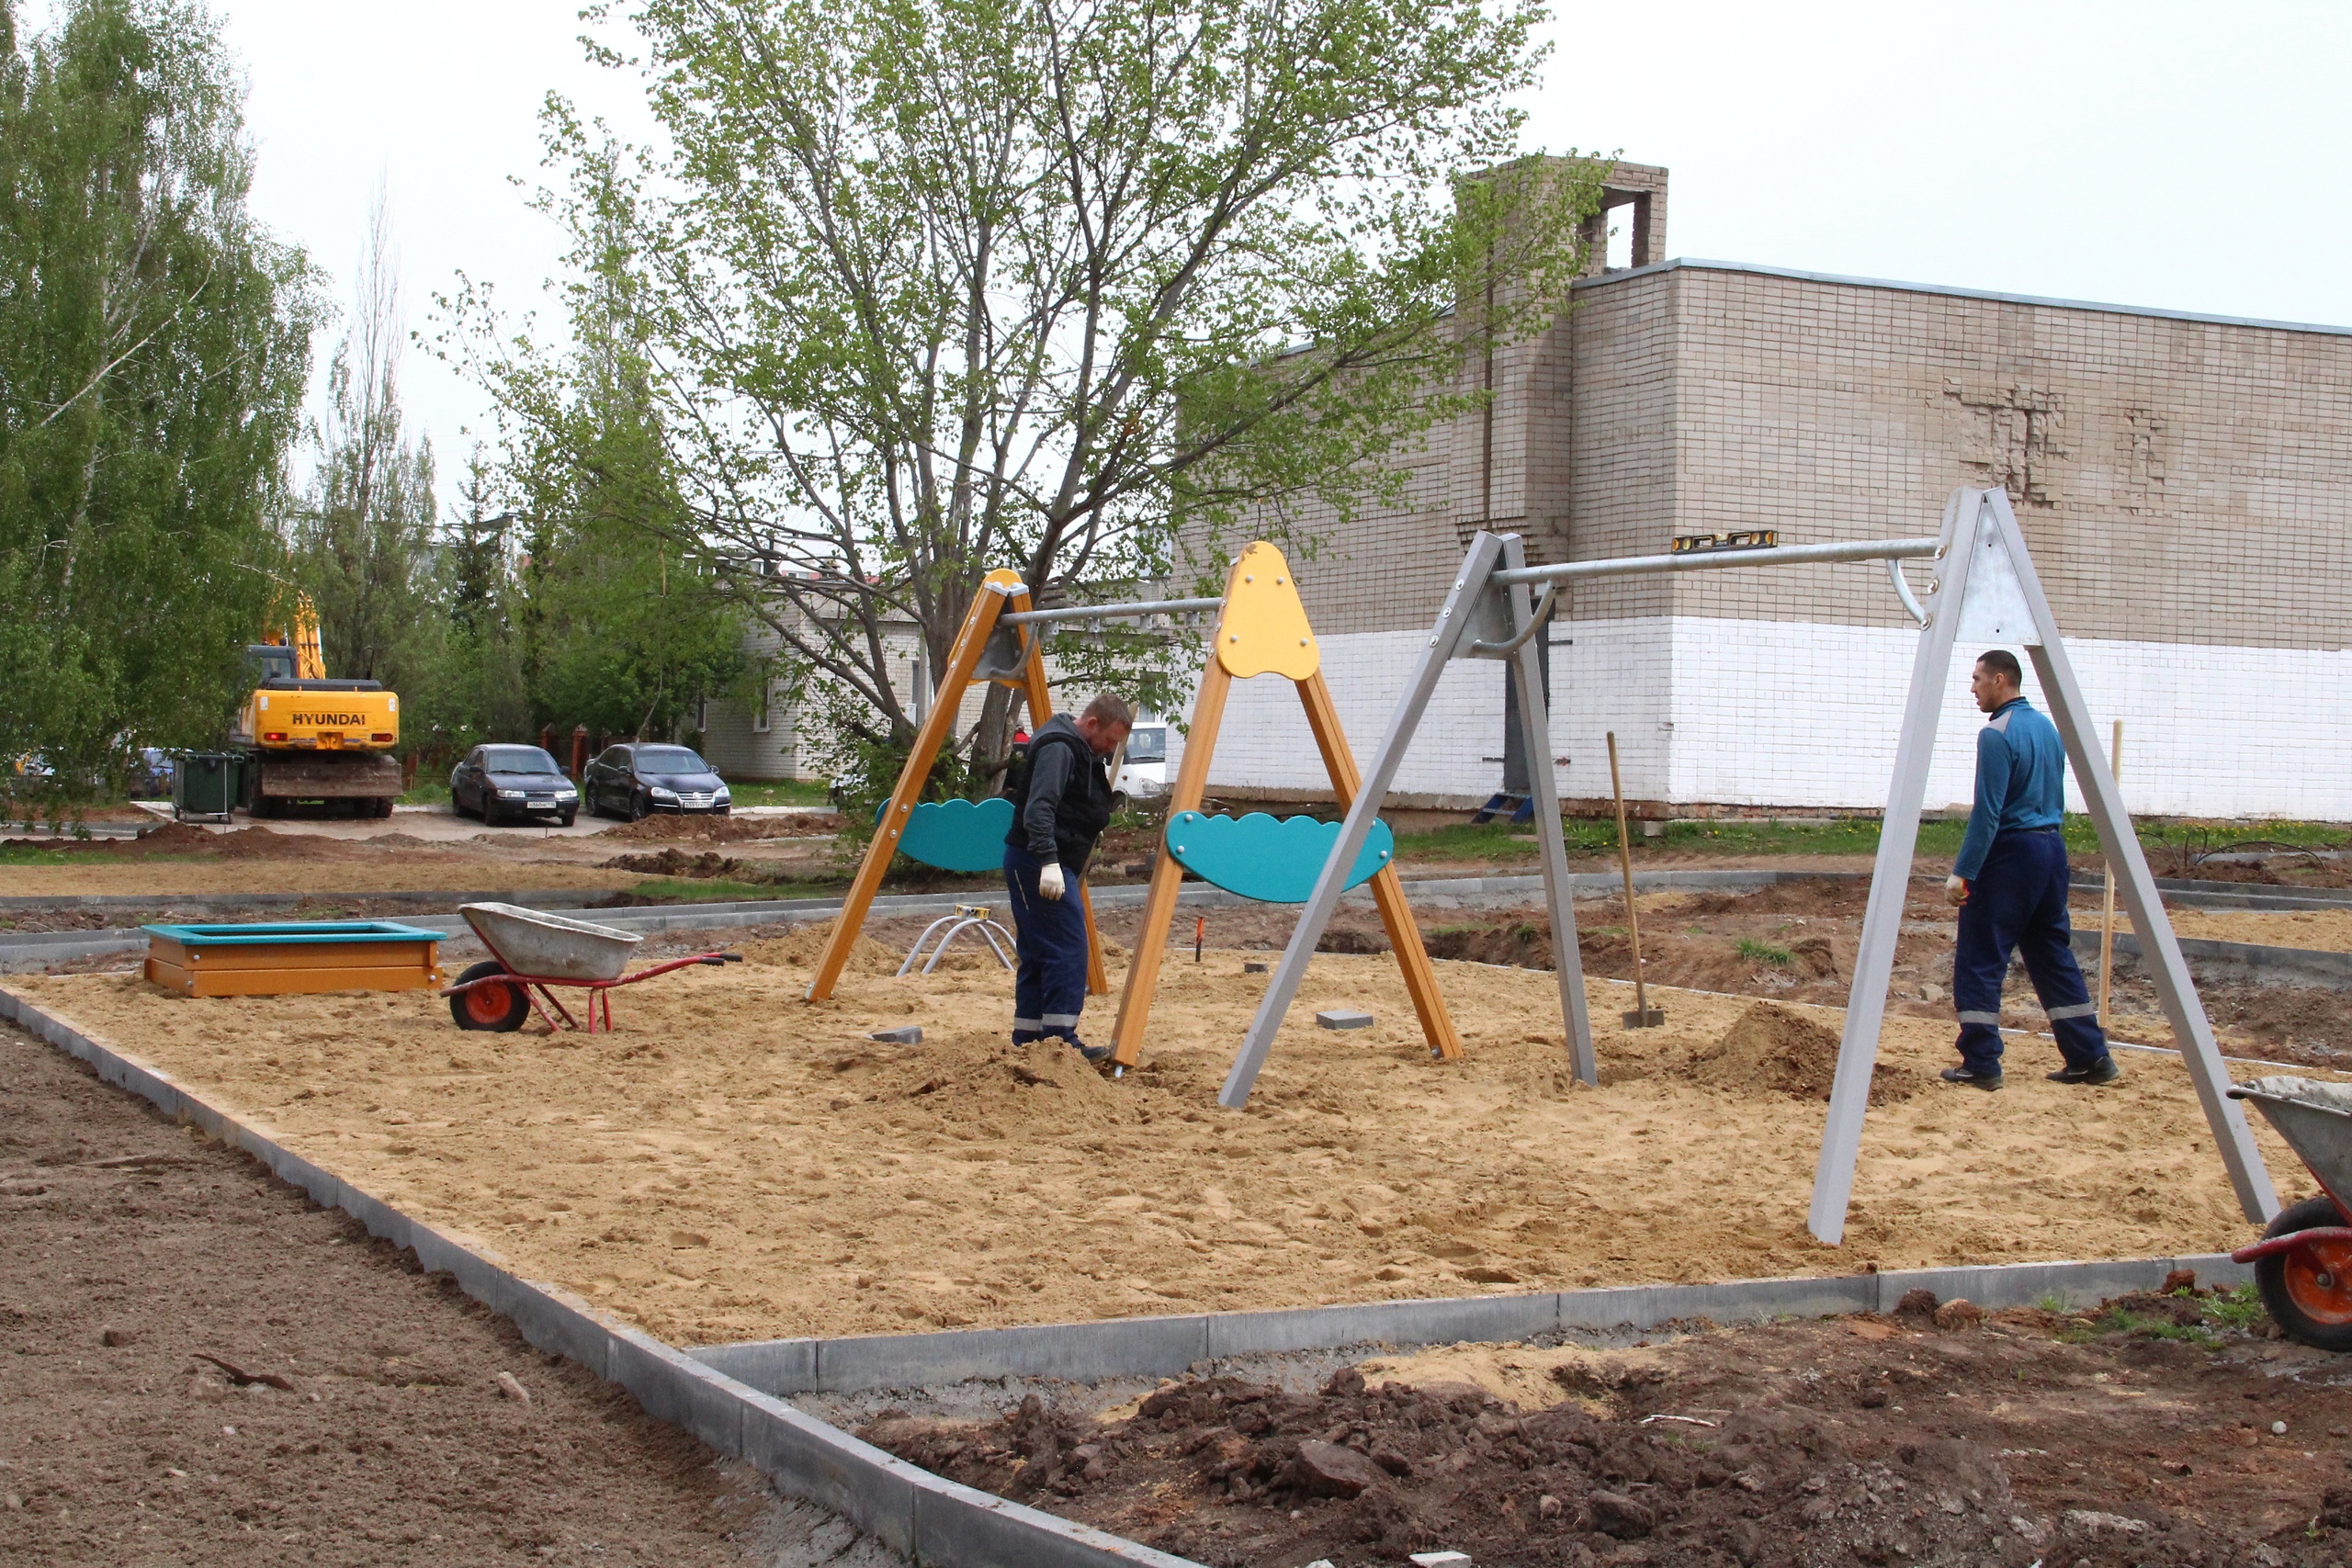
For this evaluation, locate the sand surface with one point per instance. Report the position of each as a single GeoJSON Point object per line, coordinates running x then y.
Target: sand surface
{"type": "Point", "coordinates": [2326, 929]}
{"type": "Point", "coordinates": [733, 1164]}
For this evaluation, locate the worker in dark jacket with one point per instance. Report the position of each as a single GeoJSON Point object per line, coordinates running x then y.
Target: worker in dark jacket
{"type": "Point", "coordinates": [2010, 883]}
{"type": "Point", "coordinates": [1061, 802]}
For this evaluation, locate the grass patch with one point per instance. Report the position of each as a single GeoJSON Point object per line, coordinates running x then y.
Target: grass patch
{"type": "Point", "coordinates": [780, 792]}
{"type": "Point", "coordinates": [2240, 1308]}
{"type": "Point", "coordinates": [27, 854]}
{"type": "Point", "coordinates": [426, 792]}
{"type": "Point", "coordinates": [699, 891]}
{"type": "Point", "coordinates": [1766, 953]}
{"type": "Point", "coordinates": [2172, 847]}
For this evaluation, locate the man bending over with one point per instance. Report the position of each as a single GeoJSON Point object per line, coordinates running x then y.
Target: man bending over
{"type": "Point", "coordinates": [1061, 802]}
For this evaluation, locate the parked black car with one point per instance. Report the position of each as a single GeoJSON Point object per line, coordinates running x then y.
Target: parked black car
{"type": "Point", "coordinates": [495, 782]}
{"type": "Point", "coordinates": [639, 778]}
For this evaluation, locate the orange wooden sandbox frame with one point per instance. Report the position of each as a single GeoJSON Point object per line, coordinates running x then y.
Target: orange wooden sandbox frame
{"type": "Point", "coordinates": [292, 958]}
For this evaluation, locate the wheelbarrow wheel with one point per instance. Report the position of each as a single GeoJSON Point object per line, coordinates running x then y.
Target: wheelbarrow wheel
{"type": "Point", "coordinates": [2307, 1290]}
{"type": "Point", "coordinates": [499, 1008]}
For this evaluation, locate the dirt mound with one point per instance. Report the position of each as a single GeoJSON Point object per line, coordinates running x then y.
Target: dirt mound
{"type": "Point", "coordinates": [709, 864]}
{"type": "Point", "coordinates": [1776, 1050]}
{"type": "Point", "coordinates": [659, 830]}
{"type": "Point", "coordinates": [175, 837]}
{"type": "Point", "coordinates": [806, 944]}
{"type": "Point", "coordinates": [1229, 1471]}
{"type": "Point", "coordinates": [1798, 1443]}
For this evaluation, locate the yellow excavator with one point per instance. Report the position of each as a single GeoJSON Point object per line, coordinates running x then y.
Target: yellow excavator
{"type": "Point", "coordinates": [306, 737]}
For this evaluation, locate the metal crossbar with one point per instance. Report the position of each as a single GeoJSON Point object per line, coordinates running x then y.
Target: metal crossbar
{"type": "Point", "coordinates": [1111, 612]}
{"type": "Point", "coordinates": [1703, 560]}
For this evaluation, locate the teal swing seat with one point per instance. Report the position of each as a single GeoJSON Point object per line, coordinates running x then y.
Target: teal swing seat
{"type": "Point", "coordinates": [1267, 860]}
{"type": "Point", "coordinates": [955, 835]}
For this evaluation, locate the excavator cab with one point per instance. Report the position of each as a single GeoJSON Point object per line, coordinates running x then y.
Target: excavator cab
{"type": "Point", "coordinates": [272, 662]}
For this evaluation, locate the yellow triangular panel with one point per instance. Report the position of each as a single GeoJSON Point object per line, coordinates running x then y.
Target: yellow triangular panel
{"type": "Point", "coordinates": [1263, 631]}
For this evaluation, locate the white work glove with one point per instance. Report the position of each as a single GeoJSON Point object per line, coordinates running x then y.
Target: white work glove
{"type": "Point", "coordinates": [1049, 881]}
{"type": "Point", "coordinates": [1955, 891]}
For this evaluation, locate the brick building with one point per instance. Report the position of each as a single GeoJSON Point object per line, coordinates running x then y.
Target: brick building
{"type": "Point", "coordinates": [2185, 482]}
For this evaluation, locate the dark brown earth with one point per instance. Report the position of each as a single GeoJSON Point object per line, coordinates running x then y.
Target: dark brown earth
{"type": "Point", "coordinates": [2015, 1439]}
{"type": "Point", "coordinates": [199, 1366]}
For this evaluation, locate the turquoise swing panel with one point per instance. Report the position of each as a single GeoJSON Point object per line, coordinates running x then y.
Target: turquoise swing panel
{"type": "Point", "coordinates": [955, 835]}
{"type": "Point", "coordinates": [1269, 859]}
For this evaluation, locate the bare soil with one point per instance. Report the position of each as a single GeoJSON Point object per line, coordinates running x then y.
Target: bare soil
{"type": "Point", "coordinates": [201, 1366]}
{"type": "Point", "coordinates": [676, 828]}
{"type": "Point", "coordinates": [2156, 1430]}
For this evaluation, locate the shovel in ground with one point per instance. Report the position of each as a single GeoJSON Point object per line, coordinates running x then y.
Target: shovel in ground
{"type": "Point", "coordinates": [1643, 1016]}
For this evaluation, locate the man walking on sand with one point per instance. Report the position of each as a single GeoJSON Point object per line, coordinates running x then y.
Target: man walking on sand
{"type": "Point", "coordinates": [2010, 883]}
{"type": "Point", "coordinates": [1061, 802]}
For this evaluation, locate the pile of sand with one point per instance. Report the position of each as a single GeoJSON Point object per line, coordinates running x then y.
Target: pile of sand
{"type": "Point", "coordinates": [800, 949]}
{"type": "Point", "coordinates": [1775, 1050]}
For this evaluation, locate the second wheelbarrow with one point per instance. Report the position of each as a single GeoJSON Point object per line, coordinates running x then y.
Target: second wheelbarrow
{"type": "Point", "coordinates": [2303, 1262]}
{"type": "Point", "coordinates": [533, 953]}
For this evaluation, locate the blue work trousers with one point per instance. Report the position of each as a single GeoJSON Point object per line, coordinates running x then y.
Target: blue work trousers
{"type": "Point", "coordinates": [1049, 988]}
{"type": "Point", "coordinates": [2018, 904]}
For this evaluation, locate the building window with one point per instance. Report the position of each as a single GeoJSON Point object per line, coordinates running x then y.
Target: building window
{"type": "Point", "coordinates": [702, 713]}
{"type": "Point", "coordinates": [759, 714]}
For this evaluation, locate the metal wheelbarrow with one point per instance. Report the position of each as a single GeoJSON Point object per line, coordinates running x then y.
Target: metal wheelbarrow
{"type": "Point", "coordinates": [533, 953]}
{"type": "Point", "coordinates": [2303, 1262]}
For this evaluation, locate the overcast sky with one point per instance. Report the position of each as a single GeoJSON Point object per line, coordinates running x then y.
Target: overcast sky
{"type": "Point", "coordinates": [2181, 156]}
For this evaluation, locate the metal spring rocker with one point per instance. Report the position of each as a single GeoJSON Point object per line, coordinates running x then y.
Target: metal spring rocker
{"type": "Point", "coordinates": [965, 917]}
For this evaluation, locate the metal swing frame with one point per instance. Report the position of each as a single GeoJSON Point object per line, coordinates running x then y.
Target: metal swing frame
{"type": "Point", "coordinates": [1488, 614]}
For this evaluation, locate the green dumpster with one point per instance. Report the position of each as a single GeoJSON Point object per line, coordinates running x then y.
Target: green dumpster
{"type": "Point", "coordinates": [206, 784]}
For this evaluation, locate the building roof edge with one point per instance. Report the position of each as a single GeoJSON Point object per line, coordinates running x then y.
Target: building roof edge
{"type": "Point", "coordinates": [1702, 264]}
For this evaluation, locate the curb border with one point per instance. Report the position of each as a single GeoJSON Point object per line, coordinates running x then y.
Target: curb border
{"type": "Point", "coordinates": [1168, 1346]}
{"type": "Point", "coordinates": [932, 1520]}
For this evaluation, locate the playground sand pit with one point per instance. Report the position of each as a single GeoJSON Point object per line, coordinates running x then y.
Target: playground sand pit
{"type": "Point", "coordinates": [731, 1163]}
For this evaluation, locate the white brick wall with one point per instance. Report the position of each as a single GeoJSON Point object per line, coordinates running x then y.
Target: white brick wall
{"type": "Point", "coordinates": [1792, 714]}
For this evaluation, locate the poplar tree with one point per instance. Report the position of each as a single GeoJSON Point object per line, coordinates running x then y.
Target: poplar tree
{"type": "Point", "coordinates": [154, 344]}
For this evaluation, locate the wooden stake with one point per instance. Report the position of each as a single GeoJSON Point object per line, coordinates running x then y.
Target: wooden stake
{"type": "Point", "coordinates": [1641, 1017]}
{"type": "Point", "coordinates": [1159, 904]}
{"type": "Point", "coordinates": [2107, 914]}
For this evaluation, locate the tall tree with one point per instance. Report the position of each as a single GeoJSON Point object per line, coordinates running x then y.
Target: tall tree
{"type": "Point", "coordinates": [360, 537]}
{"type": "Point", "coordinates": [153, 349]}
{"type": "Point", "coordinates": [929, 286]}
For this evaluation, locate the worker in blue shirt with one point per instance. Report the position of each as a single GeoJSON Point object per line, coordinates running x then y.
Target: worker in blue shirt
{"type": "Point", "coordinates": [2010, 883]}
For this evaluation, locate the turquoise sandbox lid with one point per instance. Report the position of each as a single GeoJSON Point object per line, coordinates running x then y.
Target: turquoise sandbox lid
{"type": "Point", "coordinates": [296, 931]}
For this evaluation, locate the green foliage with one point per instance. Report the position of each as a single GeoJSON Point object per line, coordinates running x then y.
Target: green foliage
{"type": "Point", "coordinates": [919, 290]}
{"type": "Point", "coordinates": [1765, 953]}
{"type": "Point", "coordinates": [153, 346]}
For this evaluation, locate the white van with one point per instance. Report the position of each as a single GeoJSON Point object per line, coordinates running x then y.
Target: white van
{"type": "Point", "coordinates": [1143, 769]}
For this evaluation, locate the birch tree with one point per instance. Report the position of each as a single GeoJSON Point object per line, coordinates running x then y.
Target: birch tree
{"type": "Point", "coordinates": [925, 288]}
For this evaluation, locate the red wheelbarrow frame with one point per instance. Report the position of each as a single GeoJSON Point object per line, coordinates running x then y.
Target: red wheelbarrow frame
{"type": "Point", "coordinates": [600, 1002]}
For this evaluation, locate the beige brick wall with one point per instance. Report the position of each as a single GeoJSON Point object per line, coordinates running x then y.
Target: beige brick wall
{"type": "Point", "coordinates": [2179, 479]}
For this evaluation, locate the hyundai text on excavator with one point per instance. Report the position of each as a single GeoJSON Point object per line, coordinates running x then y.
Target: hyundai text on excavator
{"type": "Point", "coordinates": [310, 738]}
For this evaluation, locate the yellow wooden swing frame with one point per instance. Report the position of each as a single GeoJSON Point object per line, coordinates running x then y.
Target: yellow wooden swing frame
{"type": "Point", "coordinates": [1261, 629]}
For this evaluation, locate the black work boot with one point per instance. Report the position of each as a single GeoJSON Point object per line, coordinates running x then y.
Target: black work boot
{"type": "Point", "coordinates": [2104, 1070]}
{"type": "Point", "coordinates": [1973, 1078]}
{"type": "Point", "coordinates": [1091, 1053]}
